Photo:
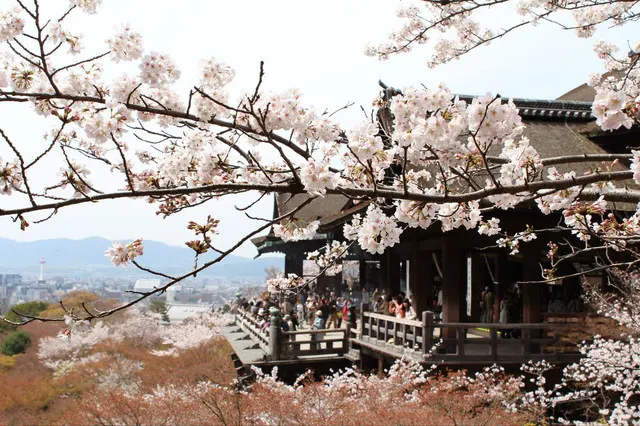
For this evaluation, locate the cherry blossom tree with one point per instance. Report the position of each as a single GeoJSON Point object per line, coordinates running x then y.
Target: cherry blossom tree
{"type": "Point", "coordinates": [458, 160]}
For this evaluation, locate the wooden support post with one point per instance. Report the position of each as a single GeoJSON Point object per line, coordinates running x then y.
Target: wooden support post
{"type": "Point", "coordinates": [494, 343]}
{"type": "Point", "coordinates": [275, 341]}
{"type": "Point", "coordinates": [327, 284]}
{"type": "Point", "coordinates": [421, 279]}
{"type": "Point", "coordinates": [371, 328]}
{"type": "Point", "coordinates": [526, 342]}
{"type": "Point", "coordinates": [362, 276]}
{"type": "Point", "coordinates": [531, 302]}
{"type": "Point", "coordinates": [384, 273]}
{"type": "Point", "coordinates": [404, 335]}
{"type": "Point", "coordinates": [293, 261]}
{"type": "Point", "coordinates": [427, 332]}
{"type": "Point", "coordinates": [386, 331]}
{"type": "Point", "coordinates": [454, 282]}
{"type": "Point", "coordinates": [461, 335]}
{"type": "Point", "coordinates": [380, 366]}
{"type": "Point", "coordinates": [393, 272]}
{"type": "Point", "coordinates": [531, 292]}
{"type": "Point", "coordinates": [346, 343]}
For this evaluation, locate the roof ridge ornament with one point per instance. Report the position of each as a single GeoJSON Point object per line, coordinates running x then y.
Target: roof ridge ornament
{"type": "Point", "coordinates": [388, 92]}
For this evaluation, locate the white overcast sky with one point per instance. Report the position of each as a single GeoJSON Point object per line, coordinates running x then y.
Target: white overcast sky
{"type": "Point", "coordinates": [316, 47]}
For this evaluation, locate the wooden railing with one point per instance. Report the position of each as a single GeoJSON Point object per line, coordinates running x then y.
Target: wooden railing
{"type": "Point", "coordinates": [315, 342]}
{"type": "Point", "coordinates": [459, 342]}
{"type": "Point", "coordinates": [424, 340]}
{"type": "Point", "coordinates": [384, 329]}
{"type": "Point", "coordinates": [249, 325]}
{"type": "Point", "coordinates": [279, 345]}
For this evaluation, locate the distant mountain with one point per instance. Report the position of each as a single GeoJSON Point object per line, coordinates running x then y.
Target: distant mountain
{"type": "Point", "coordinates": [88, 254]}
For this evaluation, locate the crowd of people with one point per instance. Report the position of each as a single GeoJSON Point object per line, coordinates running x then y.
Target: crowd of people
{"type": "Point", "coordinates": [313, 311]}
{"type": "Point", "coordinates": [399, 306]}
{"type": "Point", "coordinates": [309, 310]}
{"type": "Point", "coordinates": [509, 309]}
{"type": "Point", "coordinates": [306, 310]}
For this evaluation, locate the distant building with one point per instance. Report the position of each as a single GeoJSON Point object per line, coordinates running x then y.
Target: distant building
{"type": "Point", "coordinates": [37, 294]}
{"type": "Point", "coordinates": [179, 312]}
{"type": "Point", "coordinates": [171, 292]}
{"type": "Point", "coordinates": [10, 280]}
{"type": "Point", "coordinates": [146, 285]}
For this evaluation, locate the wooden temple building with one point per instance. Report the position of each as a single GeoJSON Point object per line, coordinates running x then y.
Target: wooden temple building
{"type": "Point", "coordinates": [460, 264]}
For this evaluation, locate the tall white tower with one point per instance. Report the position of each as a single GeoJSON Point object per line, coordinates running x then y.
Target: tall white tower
{"type": "Point", "coordinates": [41, 279]}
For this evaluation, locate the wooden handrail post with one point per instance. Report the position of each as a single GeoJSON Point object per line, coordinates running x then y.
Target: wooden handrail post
{"type": "Point", "coordinates": [395, 333]}
{"type": "Point", "coordinates": [275, 335]}
{"type": "Point", "coordinates": [427, 332]}
{"type": "Point", "coordinates": [460, 333]}
{"type": "Point", "coordinates": [494, 342]}
{"type": "Point", "coordinates": [526, 342]}
{"type": "Point", "coordinates": [347, 338]}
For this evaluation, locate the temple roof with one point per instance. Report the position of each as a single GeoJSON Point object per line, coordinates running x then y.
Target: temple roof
{"type": "Point", "coordinates": [544, 109]}
{"type": "Point", "coordinates": [555, 128]}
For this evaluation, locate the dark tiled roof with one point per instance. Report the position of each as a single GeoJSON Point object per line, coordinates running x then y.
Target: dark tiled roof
{"type": "Point", "coordinates": [320, 209]}
{"type": "Point", "coordinates": [548, 109]}
{"type": "Point", "coordinates": [554, 127]}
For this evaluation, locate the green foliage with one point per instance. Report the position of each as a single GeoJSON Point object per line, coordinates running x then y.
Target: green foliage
{"type": "Point", "coordinates": [159, 307]}
{"type": "Point", "coordinates": [29, 308]}
{"type": "Point", "coordinates": [15, 343]}
{"type": "Point", "coordinates": [5, 326]}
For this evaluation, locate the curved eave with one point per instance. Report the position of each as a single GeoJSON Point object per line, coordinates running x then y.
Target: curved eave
{"type": "Point", "coordinates": [271, 244]}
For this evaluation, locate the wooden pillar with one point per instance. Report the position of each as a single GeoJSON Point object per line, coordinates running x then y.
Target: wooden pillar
{"type": "Point", "coordinates": [327, 284]}
{"type": "Point", "coordinates": [337, 284]}
{"type": "Point", "coordinates": [275, 338]}
{"type": "Point", "coordinates": [362, 276]}
{"type": "Point", "coordinates": [421, 279]}
{"type": "Point", "coordinates": [384, 273]}
{"type": "Point", "coordinates": [531, 292]}
{"type": "Point", "coordinates": [454, 279]}
{"type": "Point", "coordinates": [393, 272]}
{"type": "Point", "coordinates": [293, 261]}
{"type": "Point", "coordinates": [531, 312]}
{"type": "Point", "coordinates": [479, 269]}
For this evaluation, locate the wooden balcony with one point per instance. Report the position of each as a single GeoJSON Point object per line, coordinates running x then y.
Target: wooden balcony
{"type": "Point", "coordinates": [386, 338]}
{"type": "Point", "coordinates": [461, 343]}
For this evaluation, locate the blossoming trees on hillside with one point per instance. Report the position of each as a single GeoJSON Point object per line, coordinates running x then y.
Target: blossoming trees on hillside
{"type": "Point", "coordinates": [458, 161]}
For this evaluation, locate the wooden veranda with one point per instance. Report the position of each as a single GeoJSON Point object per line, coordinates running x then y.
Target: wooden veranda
{"type": "Point", "coordinates": [384, 338]}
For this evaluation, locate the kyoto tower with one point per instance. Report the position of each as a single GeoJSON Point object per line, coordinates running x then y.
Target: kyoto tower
{"type": "Point", "coordinates": [41, 279]}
